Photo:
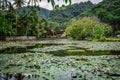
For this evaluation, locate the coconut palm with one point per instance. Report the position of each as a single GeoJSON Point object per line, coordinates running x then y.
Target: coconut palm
{"type": "Point", "coordinates": [19, 3]}
{"type": "Point", "coordinates": [0, 4]}
{"type": "Point", "coordinates": [33, 2]}
{"type": "Point", "coordinates": [4, 4]}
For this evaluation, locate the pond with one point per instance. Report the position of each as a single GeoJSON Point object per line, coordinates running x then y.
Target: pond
{"type": "Point", "coordinates": [60, 60]}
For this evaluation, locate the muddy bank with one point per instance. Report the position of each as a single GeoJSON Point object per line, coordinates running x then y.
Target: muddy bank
{"type": "Point", "coordinates": [20, 38]}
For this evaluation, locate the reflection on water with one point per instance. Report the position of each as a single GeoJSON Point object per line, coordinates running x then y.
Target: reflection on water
{"type": "Point", "coordinates": [86, 53]}
{"type": "Point", "coordinates": [67, 52]}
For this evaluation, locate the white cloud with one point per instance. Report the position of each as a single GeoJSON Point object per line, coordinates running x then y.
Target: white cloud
{"type": "Point", "coordinates": [47, 5]}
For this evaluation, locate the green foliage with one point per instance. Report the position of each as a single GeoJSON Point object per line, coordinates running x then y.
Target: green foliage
{"type": "Point", "coordinates": [6, 26]}
{"type": "Point", "coordinates": [101, 31]}
{"type": "Point", "coordinates": [108, 11]}
{"type": "Point", "coordinates": [87, 28]}
{"type": "Point", "coordinates": [65, 13]}
{"type": "Point", "coordinates": [55, 26]}
{"type": "Point", "coordinates": [80, 29]}
{"type": "Point", "coordinates": [98, 31]}
{"type": "Point", "coordinates": [62, 16]}
{"type": "Point", "coordinates": [30, 24]}
{"type": "Point", "coordinates": [117, 32]}
{"type": "Point", "coordinates": [87, 13]}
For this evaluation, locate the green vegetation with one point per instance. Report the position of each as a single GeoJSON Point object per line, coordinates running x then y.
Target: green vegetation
{"type": "Point", "coordinates": [88, 28]}
{"type": "Point", "coordinates": [50, 62]}
{"type": "Point", "coordinates": [25, 24]}
{"type": "Point", "coordinates": [107, 11]}
{"type": "Point", "coordinates": [19, 20]}
{"type": "Point", "coordinates": [6, 27]}
{"type": "Point", "coordinates": [52, 67]}
{"type": "Point", "coordinates": [16, 20]}
{"type": "Point", "coordinates": [63, 15]}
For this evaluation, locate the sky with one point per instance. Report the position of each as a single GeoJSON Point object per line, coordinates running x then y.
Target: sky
{"type": "Point", "coordinates": [47, 5]}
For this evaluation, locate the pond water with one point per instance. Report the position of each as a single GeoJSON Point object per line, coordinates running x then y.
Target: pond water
{"type": "Point", "coordinates": [61, 60]}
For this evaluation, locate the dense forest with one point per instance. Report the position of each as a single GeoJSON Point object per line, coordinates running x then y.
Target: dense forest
{"type": "Point", "coordinates": [107, 11]}
{"type": "Point", "coordinates": [65, 13]}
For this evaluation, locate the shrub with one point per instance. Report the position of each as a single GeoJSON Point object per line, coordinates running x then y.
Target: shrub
{"type": "Point", "coordinates": [87, 28]}
{"type": "Point", "coordinates": [101, 31]}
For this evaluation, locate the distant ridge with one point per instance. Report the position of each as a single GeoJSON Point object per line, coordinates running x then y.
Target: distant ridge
{"type": "Point", "coordinates": [44, 13]}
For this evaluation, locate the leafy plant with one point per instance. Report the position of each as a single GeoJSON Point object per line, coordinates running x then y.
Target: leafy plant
{"type": "Point", "coordinates": [6, 26]}
{"type": "Point", "coordinates": [87, 28]}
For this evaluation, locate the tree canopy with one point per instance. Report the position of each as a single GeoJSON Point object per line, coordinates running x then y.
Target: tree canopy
{"type": "Point", "coordinates": [107, 11]}
{"type": "Point", "coordinates": [65, 13]}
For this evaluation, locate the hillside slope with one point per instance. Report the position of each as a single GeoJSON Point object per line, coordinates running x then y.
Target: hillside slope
{"type": "Point", "coordinates": [44, 13]}
{"type": "Point", "coordinates": [70, 11]}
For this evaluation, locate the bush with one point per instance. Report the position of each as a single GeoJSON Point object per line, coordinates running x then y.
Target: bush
{"type": "Point", "coordinates": [101, 31]}
{"type": "Point", "coordinates": [87, 28]}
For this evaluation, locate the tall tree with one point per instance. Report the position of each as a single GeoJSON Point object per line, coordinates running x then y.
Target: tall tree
{"type": "Point", "coordinates": [4, 4]}
{"type": "Point", "coordinates": [19, 3]}
{"type": "Point", "coordinates": [33, 2]}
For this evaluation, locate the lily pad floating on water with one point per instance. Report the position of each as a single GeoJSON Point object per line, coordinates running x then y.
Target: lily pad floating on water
{"type": "Point", "coordinates": [52, 66]}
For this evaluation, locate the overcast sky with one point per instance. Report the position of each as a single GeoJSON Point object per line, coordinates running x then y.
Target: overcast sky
{"type": "Point", "coordinates": [60, 2]}
{"type": "Point", "coordinates": [47, 5]}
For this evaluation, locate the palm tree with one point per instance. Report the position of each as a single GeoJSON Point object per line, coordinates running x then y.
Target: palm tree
{"type": "Point", "coordinates": [4, 4]}
{"type": "Point", "coordinates": [33, 2]}
{"type": "Point", "coordinates": [0, 5]}
{"type": "Point", "coordinates": [19, 3]}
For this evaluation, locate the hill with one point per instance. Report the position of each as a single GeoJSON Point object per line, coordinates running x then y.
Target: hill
{"type": "Point", "coordinates": [65, 13]}
{"type": "Point", "coordinates": [61, 14]}
{"type": "Point", "coordinates": [44, 13]}
{"type": "Point", "coordinates": [108, 10]}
